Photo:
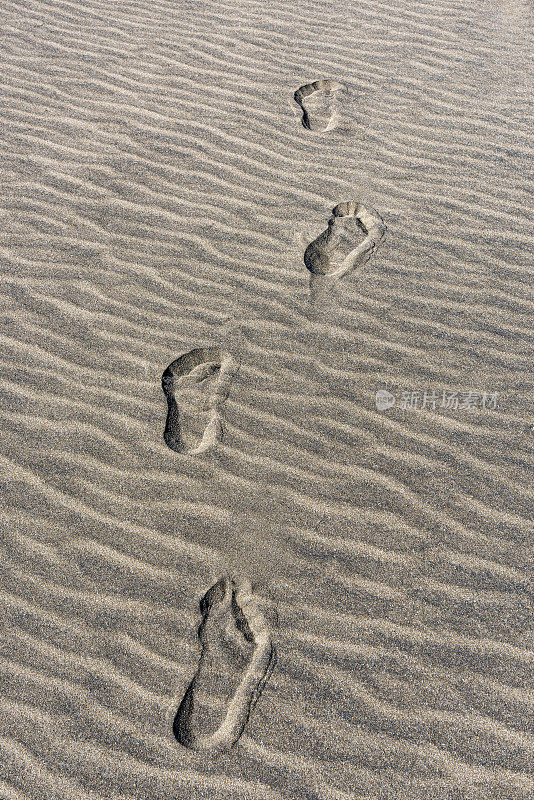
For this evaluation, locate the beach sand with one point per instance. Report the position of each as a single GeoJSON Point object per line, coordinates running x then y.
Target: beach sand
{"type": "Point", "coordinates": [159, 189]}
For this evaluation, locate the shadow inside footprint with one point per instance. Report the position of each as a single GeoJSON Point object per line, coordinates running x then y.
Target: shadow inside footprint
{"type": "Point", "coordinates": [236, 661]}
{"type": "Point", "coordinates": [317, 101]}
{"type": "Point", "coordinates": [327, 258]}
{"type": "Point", "coordinates": [196, 385]}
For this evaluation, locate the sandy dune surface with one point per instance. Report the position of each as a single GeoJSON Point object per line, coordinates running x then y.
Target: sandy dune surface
{"type": "Point", "coordinates": [158, 191]}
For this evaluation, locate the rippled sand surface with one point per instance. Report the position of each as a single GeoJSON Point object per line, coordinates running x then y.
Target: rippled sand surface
{"type": "Point", "coordinates": [158, 190]}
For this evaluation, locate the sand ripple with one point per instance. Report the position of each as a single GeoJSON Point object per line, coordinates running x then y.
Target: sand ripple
{"type": "Point", "coordinates": [158, 194]}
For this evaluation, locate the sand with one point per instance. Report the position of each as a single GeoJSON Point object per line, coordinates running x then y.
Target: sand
{"type": "Point", "coordinates": [159, 190]}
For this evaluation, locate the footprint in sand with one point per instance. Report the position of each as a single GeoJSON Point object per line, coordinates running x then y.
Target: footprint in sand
{"type": "Point", "coordinates": [317, 101]}
{"type": "Point", "coordinates": [196, 385]}
{"type": "Point", "coordinates": [326, 257]}
{"type": "Point", "coordinates": [236, 661]}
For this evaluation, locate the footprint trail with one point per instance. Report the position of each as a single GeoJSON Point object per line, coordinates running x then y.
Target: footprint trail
{"type": "Point", "coordinates": [236, 661]}
{"type": "Point", "coordinates": [317, 101]}
{"type": "Point", "coordinates": [196, 386]}
{"type": "Point", "coordinates": [326, 257]}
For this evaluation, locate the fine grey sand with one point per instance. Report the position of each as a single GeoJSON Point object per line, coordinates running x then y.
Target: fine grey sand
{"type": "Point", "coordinates": [159, 191]}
